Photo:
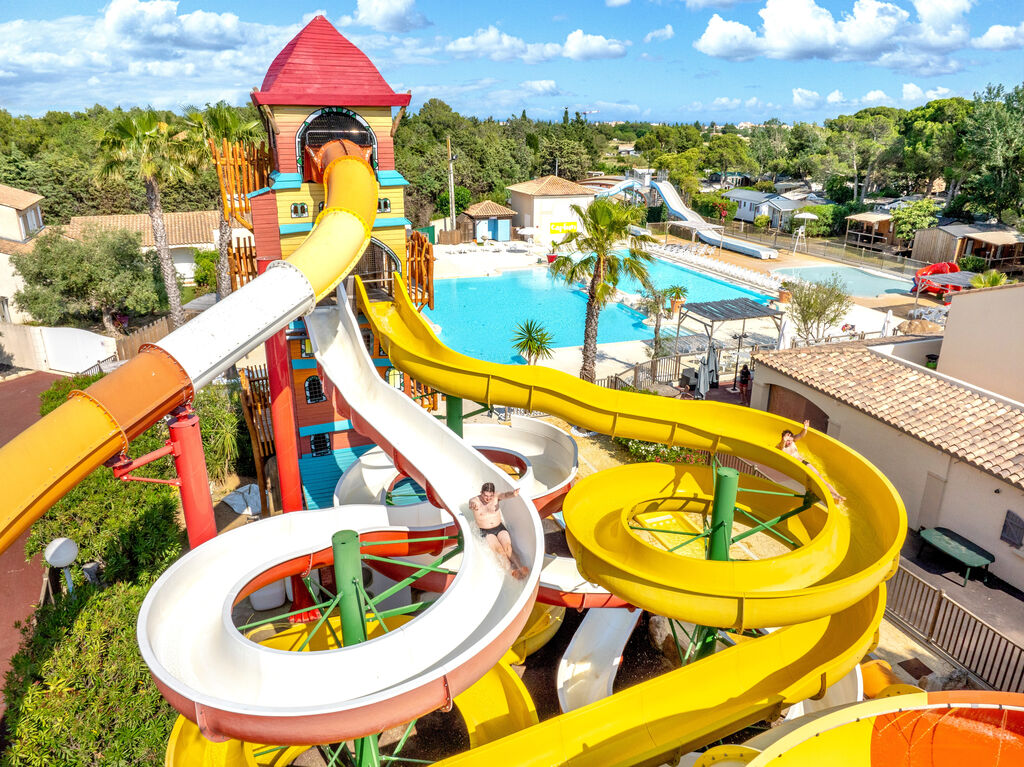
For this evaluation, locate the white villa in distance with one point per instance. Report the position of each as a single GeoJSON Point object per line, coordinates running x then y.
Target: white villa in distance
{"type": "Point", "coordinates": [20, 220]}
{"type": "Point", "coordinates": [544, 205]}
{"type": "Point", "coordinates": [950, 439]}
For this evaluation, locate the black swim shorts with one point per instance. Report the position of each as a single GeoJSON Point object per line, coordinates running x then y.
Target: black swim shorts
{"type": "Point", "coordinates": [485, 531]}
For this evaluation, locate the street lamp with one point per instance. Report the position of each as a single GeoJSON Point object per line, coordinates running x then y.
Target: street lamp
{"type": "Point", "coordinates": [62, 552]}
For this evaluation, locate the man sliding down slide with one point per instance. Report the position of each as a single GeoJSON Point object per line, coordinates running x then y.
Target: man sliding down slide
{"type": "Point", "coordinates": [492, 527]}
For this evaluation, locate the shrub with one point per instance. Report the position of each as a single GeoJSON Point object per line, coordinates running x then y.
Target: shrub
{"type": "Point", "coordinates": [816, 306]}
{"type": "Point", "coordinates": [762, 221]}
{"type": "Point", "coordinates": [838, 190]}
{"type": "Point", "coordinates": [226, 439]}
{"type": "Point", "coordinates": [659, 453]}
{"type": "Point", "coordinates": [765, 186]}
{"type": "Point", "coordinates": [971, 264]}
{"type": "Point", "coordinates": [205, 275]}
{"type": "Point", "coordinates": [712, 205]}
{"type": "Point", "coordinates": [58, 393]}
{"type": "Point", "coordinates": [78, 692]}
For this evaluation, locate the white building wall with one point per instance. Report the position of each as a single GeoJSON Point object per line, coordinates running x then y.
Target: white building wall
{"type": "Point", "coordinates": [10, 227]}
{"type": "Point", "coordinates": [975, 348]}
{"type": "Point", "coordinates": [937, 489]}
{"type": "Point", "coordinates": [551, 216]}
{"type": "Point", "coordinates": [11, 283]}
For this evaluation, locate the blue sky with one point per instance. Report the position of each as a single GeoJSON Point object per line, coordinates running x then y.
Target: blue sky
{"type": "Point", "coordinates": [659, 60]}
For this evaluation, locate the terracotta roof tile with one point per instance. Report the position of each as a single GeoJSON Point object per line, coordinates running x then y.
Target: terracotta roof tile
{"type": "Point", "coordinates": [978, 429]}
{"type": "Point", "coordinates": [551, 186]}
{"type": "Point", "coordinates": [18, 199]}
{"type": "Point", "coordinates": [486, 209]}
{"type": "Point", "coordinates": [191, 228]}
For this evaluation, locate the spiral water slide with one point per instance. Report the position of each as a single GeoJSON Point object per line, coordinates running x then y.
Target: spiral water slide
{"type": "Point", "coordinates": [827, 592]}
{"type": "Point", "coordinates": [42, 463]}
{"type": "Point", "coordinates": [677, 207]}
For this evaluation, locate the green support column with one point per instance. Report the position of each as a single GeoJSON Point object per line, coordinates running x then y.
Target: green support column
{"type": "Point", "coordinates": [348, 576]}
{"type": "Point", "coordinates": [723, 510]}
{"type": "Point", "coordinates": [453, 413]}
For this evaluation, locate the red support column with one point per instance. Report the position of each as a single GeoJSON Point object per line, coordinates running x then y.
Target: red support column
{"type": "Point", "coordinates": [190, 463]}
{"type": "Point", "coordinates": [282, 412]}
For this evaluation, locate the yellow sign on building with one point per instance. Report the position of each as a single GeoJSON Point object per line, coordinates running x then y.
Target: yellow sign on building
{"type": "Point", "coordinates": [562, 227]}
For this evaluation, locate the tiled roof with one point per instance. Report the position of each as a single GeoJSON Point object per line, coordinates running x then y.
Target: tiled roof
{"type": "Point", "coordinates": [18, 199]}
{"type": "Point", "coordinates": [15, 248]}
{"type": "Point", "coordinates": [320, 67]}
{"type": "Point", "coordinates": [193, 228]}
{"type": "Point", "coordinates": [486, 209]}
{"type": "Point", "coordinates": [551, 186]}
{"type": "Point", "coordinates": [973, 427]}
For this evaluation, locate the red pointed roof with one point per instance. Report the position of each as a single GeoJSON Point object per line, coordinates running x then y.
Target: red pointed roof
{"type": "Point", "coordinates": [319, 67]}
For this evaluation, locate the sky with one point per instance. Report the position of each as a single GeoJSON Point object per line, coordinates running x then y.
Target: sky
{"type": "Point", "coordinates": [656, 60]}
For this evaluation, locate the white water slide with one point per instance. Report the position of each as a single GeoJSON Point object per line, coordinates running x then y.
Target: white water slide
{"type": "Point", "coordinates": [586, 672]}
{"type": "Point", "coordinates": [677, 208]}
{"type": "Point", "coordinates": [622, 186]}
{"type": "Point", "coordinates": [243, 690]}
{"type": "Point", "coordinates": [549, 461]}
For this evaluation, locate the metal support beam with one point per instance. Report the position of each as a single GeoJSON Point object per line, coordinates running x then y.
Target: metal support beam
{"type": "Point", "coordinates": [348, 576]}
{"type": "Point", "coordinates": [453, 414]}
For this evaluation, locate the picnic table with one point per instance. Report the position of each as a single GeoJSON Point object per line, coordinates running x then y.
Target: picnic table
{"type": "Point", "coordinates": [955, 545]}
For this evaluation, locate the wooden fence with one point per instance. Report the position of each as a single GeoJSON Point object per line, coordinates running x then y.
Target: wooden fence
{"type": "Point", "coordinates": [241, 170]}
{"type": "Point", "coordinates": [256, 407]}
{"type": "Point", "coordinates": [242, 262]}
{"type": "Point", "coordinates": [956, 632]}
{"type": "Point", "coordinates": [128, 346]}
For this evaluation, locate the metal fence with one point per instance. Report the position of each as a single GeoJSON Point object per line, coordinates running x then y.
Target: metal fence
{"type": "Point", "coordinates": [960, 635]}
{"type": "Point", "coordinates": [834, 249]}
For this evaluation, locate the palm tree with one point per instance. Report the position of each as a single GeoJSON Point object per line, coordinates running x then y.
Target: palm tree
{"type": "Point", "coordinates": [143, 145]}
{"type": "Point", "coordinates": [533, 341]}
{"type": "Point", "coordinates": [990, 279]}
{"type": "Point", "coordinates": [600, 261]}
{"type": "Point", "coordinates": [653, 304]}
{"type": "Point", "coordinates": [215, 124]}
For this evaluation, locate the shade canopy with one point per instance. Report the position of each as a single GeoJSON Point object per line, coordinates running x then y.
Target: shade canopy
{"type": "Point", "coordinates": [951, 279]}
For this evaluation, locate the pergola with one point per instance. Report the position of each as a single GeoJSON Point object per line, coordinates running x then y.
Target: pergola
{"type": "Point", "coordinates": [948, 280]}
{"type": "Point", "coordinates": [712, 313]}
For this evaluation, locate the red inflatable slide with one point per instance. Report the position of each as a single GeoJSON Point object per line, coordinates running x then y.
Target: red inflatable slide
{"type": "Point", "coordinates": [936, 286]}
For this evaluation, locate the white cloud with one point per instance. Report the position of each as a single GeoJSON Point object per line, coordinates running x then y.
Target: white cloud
{"type": "Point", "coordinates": [724, 102]}
{"type": "Point", "coordinates": [615, 3]}
{"type": "Point", "coordinates": [493, 44]}
{"type": "Point", "coordinates": [938, 92]}
{"type": "Point", "coordinates": [1000, 37]}
{"type": "Point", "coordinates": [835, 97]}
{"type": "Point", "coordinates": [540, 87]}
{"type": "Point", "coordinates": [617, 107]}
{"type": "Point", "coordinates": [496, 45]}
{"type": "Point", "coordinates": [580, 46]}
{"type": "Point", "coordinates": [876, 97]}
{"type": "Point", "coordinates": [387, 15]}
{"type": "Point", "coordinates": [805, 99]}
{"type": "Point", "coordinates": [665, 33]}
{"type": "Point", "coordinates": [872, 30]}
{"type": "Point", "coordinates": [912, 92]}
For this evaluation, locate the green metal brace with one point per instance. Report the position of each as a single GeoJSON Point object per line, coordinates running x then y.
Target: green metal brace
{"type": "Point", "coordinates": [453, 414]}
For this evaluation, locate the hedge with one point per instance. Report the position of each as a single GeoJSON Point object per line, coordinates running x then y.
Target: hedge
{"type": "Point", "coordinates": [709, 206]}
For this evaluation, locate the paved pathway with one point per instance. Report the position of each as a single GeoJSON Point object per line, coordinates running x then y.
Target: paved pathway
{"type": "Point", "coordinates": [19, 580]}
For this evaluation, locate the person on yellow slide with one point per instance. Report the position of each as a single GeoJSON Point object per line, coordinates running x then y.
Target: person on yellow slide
{"type": "Point", "coordinates": [788, 445]}
{"type": "Point", "coordinates": [492, 526]}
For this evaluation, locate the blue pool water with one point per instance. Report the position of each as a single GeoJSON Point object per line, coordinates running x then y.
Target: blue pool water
{"type": "Point", "coordinates": [478, 315]}
{"type": "Point", "coordinates": [858, 281]}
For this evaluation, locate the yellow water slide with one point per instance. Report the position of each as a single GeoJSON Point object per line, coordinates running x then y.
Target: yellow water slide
{"type": "Point", "coordinates": [42, 463]}
{"type": "Point", "coordinates": [827, 592]}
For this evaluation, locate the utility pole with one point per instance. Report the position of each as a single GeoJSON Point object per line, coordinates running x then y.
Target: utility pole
{"type": "Point", "coordinates": [451, 183]}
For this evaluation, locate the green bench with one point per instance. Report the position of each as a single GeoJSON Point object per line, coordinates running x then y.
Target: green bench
{"type": "Point", "coordinates": [955, 545]}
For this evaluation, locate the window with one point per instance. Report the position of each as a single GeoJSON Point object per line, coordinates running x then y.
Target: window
{"type": "Point", "coordinates": [306, 347]}
{"type": "Point", "coordinates": [383, 205]}
{"type": "Point", "coordinates": [1013, 530]}
{"type": "Point", "coordinates": [300, 210]}
{"type": "Point", "coordinates": [314, 390]}
{"type": "Point", "coordinates": [320, 208]}
{"type": "Point", "coordinates": [5, 309]}
{"type": "Point", "coordinates": [320, 444]}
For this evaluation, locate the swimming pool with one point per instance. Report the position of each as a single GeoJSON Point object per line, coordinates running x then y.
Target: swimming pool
{"type": "Point", "coordinates": [858, 281]}
{"type": "Point", "coordinates": [478, 315]}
